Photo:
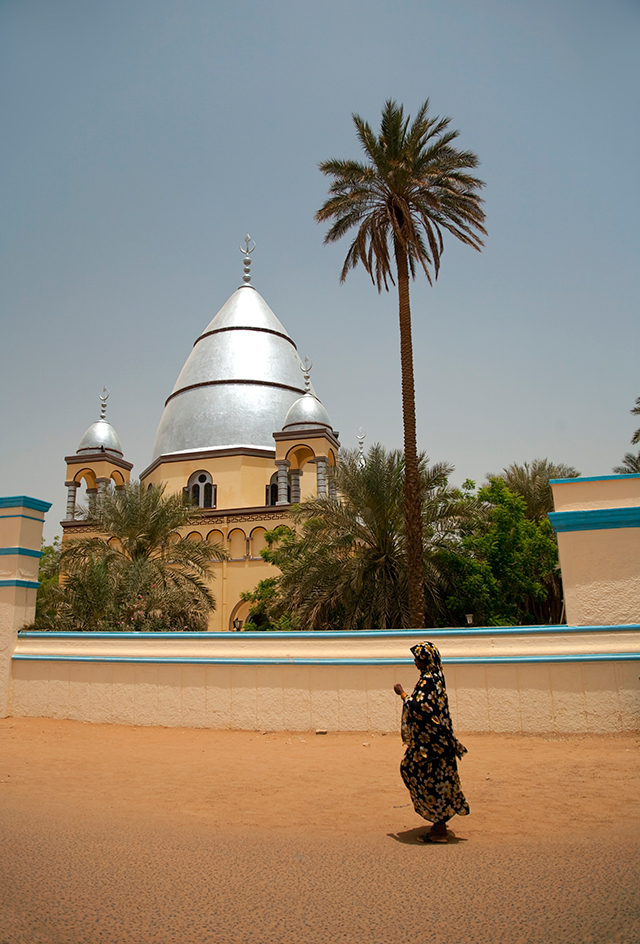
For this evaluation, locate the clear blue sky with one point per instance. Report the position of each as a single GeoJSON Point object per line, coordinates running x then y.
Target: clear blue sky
{"type": "Point", "coordinates": [143, 138]}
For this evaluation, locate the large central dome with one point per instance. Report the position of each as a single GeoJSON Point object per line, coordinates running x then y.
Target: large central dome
{"type": "Point", "coordinates": [238, 383]}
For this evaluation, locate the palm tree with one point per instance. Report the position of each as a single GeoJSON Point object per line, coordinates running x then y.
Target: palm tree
{"type": "Point", "coordinates": [630, 464]}
{"type": "Point", "coordinates": [635, 412]}
{"type": "Point", "coordinates": [346, 567]}
{"type": "Point", "coordinates": [139, 571]}
{"type": "Point", "coordinates": [531, 482]}
{"type": "Point", "coordinates": [414, 185]}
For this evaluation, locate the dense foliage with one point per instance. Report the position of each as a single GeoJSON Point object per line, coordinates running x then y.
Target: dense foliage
{"type": "Point", "coordinates": [138, 574]}
{"type": "Point", "coordinates": [490, 557]}
{"type": "Point", "coordinates": [503, 572]}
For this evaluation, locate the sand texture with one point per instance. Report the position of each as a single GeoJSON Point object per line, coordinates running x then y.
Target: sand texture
{"type": "Point", "coordinates": [157, 835]}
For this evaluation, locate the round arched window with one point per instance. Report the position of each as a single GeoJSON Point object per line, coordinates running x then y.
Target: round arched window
{"type": "Point", "coordinates": [202, 491]}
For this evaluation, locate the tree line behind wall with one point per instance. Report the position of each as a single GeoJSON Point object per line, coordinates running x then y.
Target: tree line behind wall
{"type": "Point", "coordinates": [490, 555]}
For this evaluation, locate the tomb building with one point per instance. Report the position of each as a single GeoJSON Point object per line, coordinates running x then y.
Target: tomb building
{"type": "Point", "coordinates": [242, 433]}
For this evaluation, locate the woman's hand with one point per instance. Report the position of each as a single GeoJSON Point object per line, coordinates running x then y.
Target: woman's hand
{"type": "Point", "coordinates": [398, 689]}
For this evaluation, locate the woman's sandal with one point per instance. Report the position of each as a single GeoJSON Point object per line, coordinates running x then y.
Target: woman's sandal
{"type": "Point", "coordinates": [429, 838]}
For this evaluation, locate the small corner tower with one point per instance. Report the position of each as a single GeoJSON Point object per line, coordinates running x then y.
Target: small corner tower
{"type": "Point", "coordinates": [307, 436]}
{"type": "Point", "coordinates": [98, 460]}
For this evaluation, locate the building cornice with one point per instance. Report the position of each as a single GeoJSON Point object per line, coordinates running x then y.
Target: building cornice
{"type": "Point", "coordinates": [198, 454]}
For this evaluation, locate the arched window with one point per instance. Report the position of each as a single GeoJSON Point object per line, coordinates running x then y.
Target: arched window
{"type": "Point", "coordinates": [201, 489]}
{"type": "Point", "coordinates": [257, 542]}
{"type": "Point", "coordinates": [271, 492]}
{"type": "Point", "coordinates": [237, 544]}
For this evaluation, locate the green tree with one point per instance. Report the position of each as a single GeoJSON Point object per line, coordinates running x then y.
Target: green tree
{"type": "Point", "coordinates": [48, 576]}
{"type": "Point", "coordinates": [532, 482]}
{"type": "Point", "coordinates": [345, 565]}
{"type": "Point", "coordinates": [501, 571]}
{"type": "Point", "coordinates": [137, 573]}
{"type": "Point", "coordinates": [413, 186]}
{"type": "Point", "coordinates": [263, 599]}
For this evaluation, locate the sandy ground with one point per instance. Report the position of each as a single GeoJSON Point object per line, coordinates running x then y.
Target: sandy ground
{"type": "Point", "coordinates": [120, 834]}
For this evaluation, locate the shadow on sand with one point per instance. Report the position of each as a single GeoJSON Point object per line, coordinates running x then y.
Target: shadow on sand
{"type": "Point", "coordinates": [409, 837]}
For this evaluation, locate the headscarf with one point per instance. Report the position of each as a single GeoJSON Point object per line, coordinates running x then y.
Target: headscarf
{"type": "Point", "coordinates": [427, 652]}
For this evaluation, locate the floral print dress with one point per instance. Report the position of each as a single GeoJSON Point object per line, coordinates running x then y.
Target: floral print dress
{"type": "Point", "coordinates": [429, 767]}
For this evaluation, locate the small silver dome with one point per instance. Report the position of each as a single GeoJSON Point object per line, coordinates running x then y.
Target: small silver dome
{"type": "Point", "coordinates": [237, 384]}
{"type": "Point", "coordinates": [100, 437]}
{"type": "Point", "coordinates": [306, 413]}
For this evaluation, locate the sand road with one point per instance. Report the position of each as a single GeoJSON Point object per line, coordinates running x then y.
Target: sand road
{"type": "Point", "coordinates": [157, 835]}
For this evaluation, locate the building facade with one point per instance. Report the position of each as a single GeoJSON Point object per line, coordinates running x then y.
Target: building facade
{"type": "Point", "coordinates": [242, 433]}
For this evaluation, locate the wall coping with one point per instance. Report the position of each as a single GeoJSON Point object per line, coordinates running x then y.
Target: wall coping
{"type": "Point", "coordinates": [339, 634]}
{"type": "Point", "coordinates": [595, 478]}
{"type": "Point", "coordinates": [485, 645]}
{"type": "Point", "coordinates": [23, 501]}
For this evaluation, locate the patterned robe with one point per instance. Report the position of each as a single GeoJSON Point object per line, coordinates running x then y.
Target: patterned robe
{"type": "Point", "coordinates": [429, 767]}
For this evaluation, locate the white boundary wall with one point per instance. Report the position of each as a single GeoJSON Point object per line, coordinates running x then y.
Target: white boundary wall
{"type": "Point", "coordinates": [517, 679]}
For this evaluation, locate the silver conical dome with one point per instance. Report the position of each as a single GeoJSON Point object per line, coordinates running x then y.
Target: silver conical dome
{"type": "Point", "coordinates": [237, 384]}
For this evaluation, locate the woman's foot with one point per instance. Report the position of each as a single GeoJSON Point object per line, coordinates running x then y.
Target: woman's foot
{"type": "Point", "coordinates": [437, 833]}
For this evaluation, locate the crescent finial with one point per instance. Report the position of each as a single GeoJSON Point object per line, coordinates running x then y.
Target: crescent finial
{"type": "Point", "coordinates": [246, 252]}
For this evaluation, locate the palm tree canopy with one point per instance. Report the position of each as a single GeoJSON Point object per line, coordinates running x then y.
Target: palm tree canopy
{"type": "Point", "coordinates": [636, 412]}
{"type": "Point", "coordinates": [531, 482]}
{"type": "Point", "coordinates": [414, 185]}
{"type": "Point", "coordinates": [630, 464]}
{"type": "Point", "coordinates": [139, 564]}
{"type": "Point", "coordinates": [346, 567]}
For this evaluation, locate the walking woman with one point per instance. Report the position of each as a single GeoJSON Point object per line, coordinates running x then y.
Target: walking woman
{"type": "Point", "coordinates": [429, 767]}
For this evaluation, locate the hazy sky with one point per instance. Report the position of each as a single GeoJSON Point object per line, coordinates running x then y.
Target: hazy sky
{"type": "Point", "coordinates": [141, 140]}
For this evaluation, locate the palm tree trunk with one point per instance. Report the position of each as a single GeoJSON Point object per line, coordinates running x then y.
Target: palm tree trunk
{"type": "Point", "coordinates": [412, 496]}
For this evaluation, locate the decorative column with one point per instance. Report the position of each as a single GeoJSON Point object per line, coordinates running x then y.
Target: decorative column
{"type": "Point", "coordinates": [92, 494]}
{"type": "Point", "coordinates": [333, 491]}
{"type": "Point", "coordinates": [72, 488]}
{"type": "Point", "coordinates": [283, 482]}
{"type": "Point", "coordinates": [102, 489]}
{"type": "Point", "coordinates": [295, 485]}
{"type": "Point", "coordinates": [321, 466]}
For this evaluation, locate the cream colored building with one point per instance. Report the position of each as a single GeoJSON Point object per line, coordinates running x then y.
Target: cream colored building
{"type": "Point", "coordinates": [242, 432]}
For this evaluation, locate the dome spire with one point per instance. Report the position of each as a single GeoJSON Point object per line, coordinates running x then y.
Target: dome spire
{"type": "Point", "coordinates": [305, 367]}
{"type": "Point", "coordinates": [246, 252]}
{"type": "Point", "coordinates": [361, 435]}
{"type": "Point", "coordinates": [104, 396]}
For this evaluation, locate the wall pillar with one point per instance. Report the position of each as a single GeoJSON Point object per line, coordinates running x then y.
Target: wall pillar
{"type": "Point", "coordinates": [72, 489]}
{"type": "Point", "coordinates": [21, 521]}
{"type": "Point", "coordinates": [283, 481]}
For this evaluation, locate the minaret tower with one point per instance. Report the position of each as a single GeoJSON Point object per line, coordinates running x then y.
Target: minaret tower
{"type": "Point", "coordinates": [98, 460]}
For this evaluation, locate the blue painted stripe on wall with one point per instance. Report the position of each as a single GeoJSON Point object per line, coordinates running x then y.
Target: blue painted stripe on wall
{"type": "Point", "coordinates": [596, 478]}
{"type": "Point", "coordinates": [453, 660]}
{"type": "Point", "coordinates": [408, 634]}
{"type": "Point", "coordinates": [29, 584]}
{"type": "Point", "coordinates": [29, 517]}
{"type": "Point", "coordinates": [595, 519]}
{"type": "Point", "coordinates": [24, 551]}
{"type": "Point", "coordinates": [23, 501]}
